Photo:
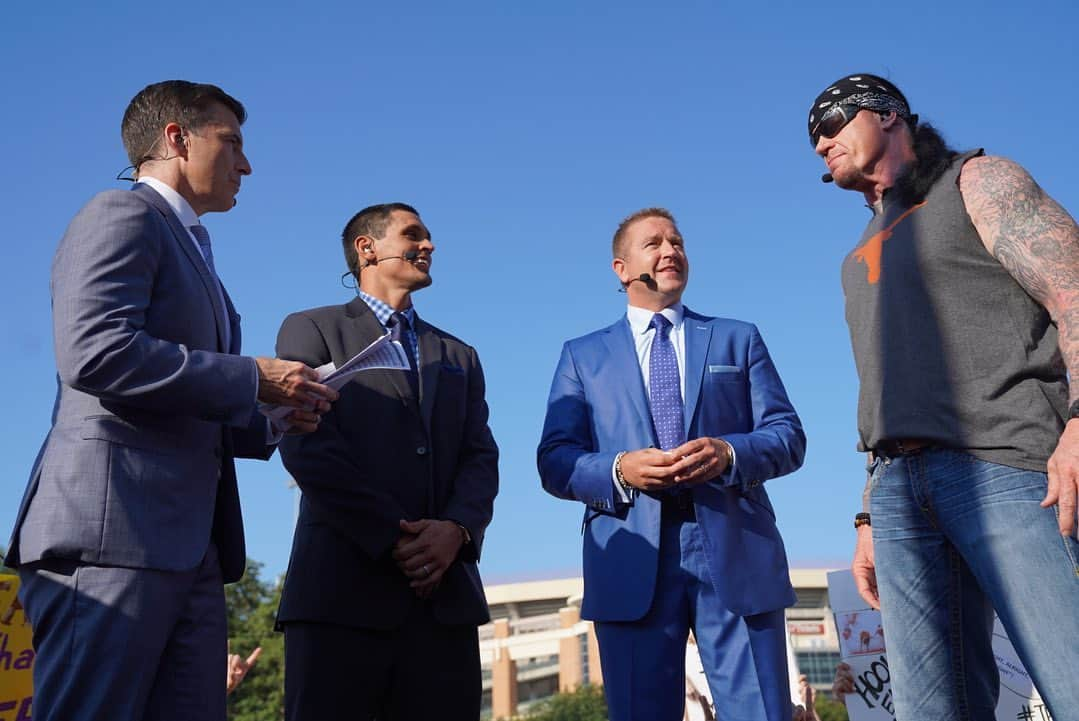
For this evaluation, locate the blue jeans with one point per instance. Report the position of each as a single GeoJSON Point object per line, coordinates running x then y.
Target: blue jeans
{"type": "Point", "coordinates": [955, 537]}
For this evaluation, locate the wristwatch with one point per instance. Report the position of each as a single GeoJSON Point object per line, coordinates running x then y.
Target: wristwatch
{"type": "Point", "coordinates": [861, 519]}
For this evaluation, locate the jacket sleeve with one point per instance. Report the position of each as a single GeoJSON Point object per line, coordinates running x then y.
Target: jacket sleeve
{"type": "Point", "coordinates": [476, 481]}
{"type": "Point", "coordinates": [104, 278]}
{"type": "Point", "coordinates": [569, 465]}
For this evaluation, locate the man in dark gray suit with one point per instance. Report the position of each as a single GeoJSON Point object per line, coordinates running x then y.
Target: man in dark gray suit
{"type": "Point", "coordinates": [131, 520]}
{"type": "Point", "coordinates": [383, 596]}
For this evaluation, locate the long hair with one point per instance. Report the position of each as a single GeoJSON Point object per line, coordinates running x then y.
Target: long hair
{"type": "Point", "coordinates": [932, 157]}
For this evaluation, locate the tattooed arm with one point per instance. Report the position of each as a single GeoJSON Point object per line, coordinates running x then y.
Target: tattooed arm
{"type": "Point", "coordinates": [1038, 243]}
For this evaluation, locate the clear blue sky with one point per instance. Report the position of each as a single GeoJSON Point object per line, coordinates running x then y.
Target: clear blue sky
{"type": "Point", "coordinates": [523, 132]}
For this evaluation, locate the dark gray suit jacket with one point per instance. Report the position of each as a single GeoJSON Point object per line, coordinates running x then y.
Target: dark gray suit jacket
{"type": "Point", "coordinates": [150, 409]}
{"type": "Point", "coordinates": [378, 456]}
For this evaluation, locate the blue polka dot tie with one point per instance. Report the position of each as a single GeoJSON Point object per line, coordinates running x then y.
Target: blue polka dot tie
{"type": "Point", "coordinates": [665, 387]}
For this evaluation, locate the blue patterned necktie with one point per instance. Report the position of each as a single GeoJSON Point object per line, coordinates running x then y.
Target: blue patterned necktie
{"type": "Point", "coordinates": [665, 387]}
{"type": "Point", "coordinates": [401, 331]}
{"type": "Point", "coordinates": [202, 236]}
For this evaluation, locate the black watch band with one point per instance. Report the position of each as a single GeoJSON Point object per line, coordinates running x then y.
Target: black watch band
{"type": "Point", "coordinates": [861, 519]}
{"type": "Point", "coordinates": [1073, 410]}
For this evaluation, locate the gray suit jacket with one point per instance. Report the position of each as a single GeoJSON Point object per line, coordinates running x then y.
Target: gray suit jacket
{"type": "Point", "coordinates": [150, 408]}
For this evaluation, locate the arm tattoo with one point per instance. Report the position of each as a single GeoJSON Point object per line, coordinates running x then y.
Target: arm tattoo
{"type": "Point", "coordinates": [1033, 238]}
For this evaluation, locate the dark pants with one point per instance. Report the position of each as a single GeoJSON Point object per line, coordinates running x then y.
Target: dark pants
{"type": "Point", "coordinates": [422, 670]}
{"type": "Point", "coordinates": [126, 644]}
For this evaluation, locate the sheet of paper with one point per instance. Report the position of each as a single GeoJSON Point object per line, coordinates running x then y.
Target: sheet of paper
{"type": "Point", "coordinates": [385, 353]}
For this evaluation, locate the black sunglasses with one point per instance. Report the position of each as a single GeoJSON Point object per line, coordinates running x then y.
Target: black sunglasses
{"type": "Point", "coordinates": [833, 120]}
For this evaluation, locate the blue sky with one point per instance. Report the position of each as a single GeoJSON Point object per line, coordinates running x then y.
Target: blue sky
{"type": "Point", "coordinates": [523, 132]}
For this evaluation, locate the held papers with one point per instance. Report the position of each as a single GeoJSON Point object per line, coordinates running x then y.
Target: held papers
{"type": "Point", "coordinates": [384, 353]}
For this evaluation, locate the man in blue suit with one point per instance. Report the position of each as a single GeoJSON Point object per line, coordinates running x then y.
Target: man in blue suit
{"type": "Point", "coordinates": [666, 425]}
{"type": "Point", "coordinates": [131, 521]}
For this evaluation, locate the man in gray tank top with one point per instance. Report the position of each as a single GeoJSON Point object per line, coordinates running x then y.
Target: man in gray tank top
{"type": "Point", "coordinates": [962, 299]}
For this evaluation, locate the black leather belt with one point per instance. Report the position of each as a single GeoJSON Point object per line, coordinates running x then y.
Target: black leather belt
{"type": "Point", "coordinates": [900, 447]}
{"type": "Point", "coordinates": [678, 506]}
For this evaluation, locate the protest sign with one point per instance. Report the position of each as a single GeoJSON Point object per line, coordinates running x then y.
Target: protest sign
{"type": "Point", "coordinates": [862, 647]}
{"type": "Point", "coordinates": [16, 655]}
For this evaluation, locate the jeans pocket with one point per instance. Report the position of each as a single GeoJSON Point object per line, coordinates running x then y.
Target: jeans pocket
{"type": "Point", "coordinates": [874, 469]}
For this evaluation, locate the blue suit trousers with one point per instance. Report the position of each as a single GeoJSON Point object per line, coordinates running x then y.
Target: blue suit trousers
{"type": "Point", "coordinates": [744, 657]}
{"type": "Point", "coordinates": [126, 644]}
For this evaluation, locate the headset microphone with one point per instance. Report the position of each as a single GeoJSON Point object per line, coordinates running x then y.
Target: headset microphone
{"type": "Point", "coordinates": [826, 178]}
{"type": "Point", "coordinates": [643, 278]}
{"type": "Point", "coordinates": [410, 256]}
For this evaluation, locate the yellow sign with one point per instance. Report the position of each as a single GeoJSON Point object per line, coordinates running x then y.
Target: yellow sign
{"type": "Point", "coordinates": [16, 655]}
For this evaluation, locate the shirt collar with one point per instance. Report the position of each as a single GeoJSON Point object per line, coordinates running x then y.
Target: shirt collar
{"type": "Point", "coordinates": [180, 207]}
{"type": "Point", "coordinates": [640, 320]}
{"type": "Point", "coordinates": [384, 310]}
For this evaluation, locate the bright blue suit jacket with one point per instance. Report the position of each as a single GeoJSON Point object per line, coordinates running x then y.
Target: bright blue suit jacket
{"type": "Point", "coordinates": [598, 406]}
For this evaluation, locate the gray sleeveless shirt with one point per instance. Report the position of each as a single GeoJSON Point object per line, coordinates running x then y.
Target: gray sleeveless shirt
{"type": "Point", "coordinates": [949, 348]}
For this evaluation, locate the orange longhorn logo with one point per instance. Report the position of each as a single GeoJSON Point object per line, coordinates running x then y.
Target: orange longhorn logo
{"type": "Point", "coordinates": [870, 253]}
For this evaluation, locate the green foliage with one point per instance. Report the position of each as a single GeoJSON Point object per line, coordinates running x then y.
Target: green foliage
{"type": "Point", "coordinates": [3, 562]}
{"type": "Point", "coordinates": [829, 709]}
{"type": "Point", "coordinates": [585, 704]}
{"type": "Point", "coordinates": [252, 607]}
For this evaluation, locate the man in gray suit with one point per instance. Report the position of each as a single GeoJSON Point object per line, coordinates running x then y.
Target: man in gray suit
{"type": "Point", "coordinates": [131, 522]}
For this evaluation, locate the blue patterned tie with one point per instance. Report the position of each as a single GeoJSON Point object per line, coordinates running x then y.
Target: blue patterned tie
{"type": "Point", "coordinates": [401, 331]}
{"type": "Point", "coordinates": [202, 236]}
{"type": "Point", "coordinates": [665, 387]}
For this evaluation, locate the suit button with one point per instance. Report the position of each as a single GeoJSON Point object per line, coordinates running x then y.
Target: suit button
{"type": "Point", "coordinates": [421, 451]}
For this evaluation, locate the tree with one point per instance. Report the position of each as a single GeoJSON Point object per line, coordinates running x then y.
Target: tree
{"type": "Point", "coordinates": [829, 709]}
{"type": "Point", "coordinates": [585, 704]}
{"type": "Point", "coordinates": [252, 608]}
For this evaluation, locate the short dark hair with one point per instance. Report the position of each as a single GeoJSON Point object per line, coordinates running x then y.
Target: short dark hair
{"type": "Point", "coordinates": [373, 221]}
{"type": "Point", "coordinates": [620, 234]}
{"type": "Point", "coordinates": [170, 101]}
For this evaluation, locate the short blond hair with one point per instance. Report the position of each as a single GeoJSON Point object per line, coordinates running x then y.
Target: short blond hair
{"type": "Point", "coordinates": [620, 234]}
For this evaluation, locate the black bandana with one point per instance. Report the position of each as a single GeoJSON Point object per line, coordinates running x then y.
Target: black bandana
{"type": "Point", "coordinates": [865, 91]}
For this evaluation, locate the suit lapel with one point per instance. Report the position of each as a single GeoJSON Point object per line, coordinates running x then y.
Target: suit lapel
{"type": "Point", "coordinates": [697, 335]}
{"type": "Point", "coordinates": [183, 238]}
{"type": "Point", "coordinates": [366, 329]}
{"type": "Point", "coordinates": [622, 352]}
{"type": "Point", "coordinates": [431, 358]}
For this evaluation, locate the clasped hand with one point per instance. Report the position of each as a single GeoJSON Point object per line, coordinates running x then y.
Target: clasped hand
{"type": "Point", "coordinates": [693, 462]}
{"type": "Point", "coordinates": [425, 551]}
